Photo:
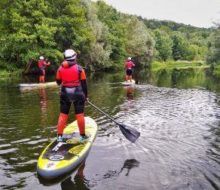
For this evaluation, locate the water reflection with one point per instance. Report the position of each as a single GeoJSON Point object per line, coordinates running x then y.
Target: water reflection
{"type": "Point", "coordinates": [130, 92]}
{"type": "Point", "coordinates": [73, 180]}
{"type": "Point", "coordinates": [180, 78]}
{"type": "Point", "coordinates": [43, 101]}
{"type": "Point", "coordinates": [128, 165]}
{"type": "Point", "coordinates": [78, 183]}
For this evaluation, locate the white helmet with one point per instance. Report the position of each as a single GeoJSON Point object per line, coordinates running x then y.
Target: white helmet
{"type": "Point", "coordinates": [41, 58]}
{"type": "Point", "coordinates": [70, 55]}
{"type": "Point", "coordinates": [129, 58]}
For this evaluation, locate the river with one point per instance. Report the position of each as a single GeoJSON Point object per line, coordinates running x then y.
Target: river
{"type": "Point", "coordinates": [177, 113]}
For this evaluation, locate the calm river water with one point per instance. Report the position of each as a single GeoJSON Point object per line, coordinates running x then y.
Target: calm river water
{"type": "Point", "coordinates": [177, 113]}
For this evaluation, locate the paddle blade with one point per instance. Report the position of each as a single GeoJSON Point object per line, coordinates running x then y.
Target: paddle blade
{"type": "Point", "coordinates": [131, 134]}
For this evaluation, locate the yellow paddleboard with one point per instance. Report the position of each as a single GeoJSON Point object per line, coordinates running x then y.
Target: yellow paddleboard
{"type": "Point", "coordinates": [59, 158]}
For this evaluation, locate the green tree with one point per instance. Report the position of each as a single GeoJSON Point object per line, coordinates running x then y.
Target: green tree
{"type": "Point", "coordinates": [113, 21]}
{"type": "Point", "coordinates": [179, 46]}
{"type": "Point", "coordinates": [27, 31]}
{"type": "Point", "coordinates": [214, 47]}
{"type": "Point", "coordinates": [42, 27]}
{"type": "Point", "coordinates": [163, 45]}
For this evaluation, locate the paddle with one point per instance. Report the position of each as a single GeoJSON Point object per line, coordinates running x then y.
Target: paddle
{"type": "Point", "coordinates": [131, 134]}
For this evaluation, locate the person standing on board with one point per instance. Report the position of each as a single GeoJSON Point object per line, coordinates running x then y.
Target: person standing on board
{"type": "Point", "coordinates": [42, 64]}
{"type": "Point", "coordinates": [72, 79]}
{"type": "Point", "coordinates": [129, 65]}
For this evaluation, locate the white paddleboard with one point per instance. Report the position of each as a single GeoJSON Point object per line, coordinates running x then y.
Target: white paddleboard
{"type": "Point", "coordinates": [128, 83]}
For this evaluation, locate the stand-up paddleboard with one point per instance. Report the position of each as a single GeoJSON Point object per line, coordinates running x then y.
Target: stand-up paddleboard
{"type": "Point", "coordinates": [128, 83]}
{"type": "Point", "coordinates": [29, 86]}
{"type": "Point", "coordinates": [59, 158]}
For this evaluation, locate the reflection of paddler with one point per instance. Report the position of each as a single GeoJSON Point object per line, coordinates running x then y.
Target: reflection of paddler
{"type": "Point", "coordinates": [42, 64]}
{"type": "Point", "coordinates": [79, 181]}
{"type": "Point", "coordinates": [43, 99]}
{"type": "Point", "coordinates": [130, 92]}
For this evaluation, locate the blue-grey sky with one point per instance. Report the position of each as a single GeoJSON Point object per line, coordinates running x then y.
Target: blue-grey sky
{"type": "Point", "coordinates": [201, 13]}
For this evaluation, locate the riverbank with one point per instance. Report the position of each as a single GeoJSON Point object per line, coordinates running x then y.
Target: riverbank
{"type": "Point", "coordinates": [156, 65]}
{"type": "Point", "coordinates": [7, 74]}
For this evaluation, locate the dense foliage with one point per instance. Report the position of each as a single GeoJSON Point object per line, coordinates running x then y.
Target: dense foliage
{"type": "Point", "coordinates": [102, 36]}
{"type": "Point", "coordinates": [214, 48]}
{"type": "Point", "coordinates": [188, 42]}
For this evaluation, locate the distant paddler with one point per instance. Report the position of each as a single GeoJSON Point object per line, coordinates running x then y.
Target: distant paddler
{"type": "Point", "coordinates": [129, 65]}
{"type": "Point", "coordinates": [42, 64]}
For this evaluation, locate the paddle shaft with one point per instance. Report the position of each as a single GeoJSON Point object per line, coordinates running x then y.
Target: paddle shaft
{"type": "Point", "coordinates": [131, 134]}
{"type": "Point", "coordinates": [103, 113]}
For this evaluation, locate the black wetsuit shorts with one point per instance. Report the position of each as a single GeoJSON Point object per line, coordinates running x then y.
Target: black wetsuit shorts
{"type": "Point", "coordinates": [129, 72]}
{"type": "Point", "coordinates": [71, 95]}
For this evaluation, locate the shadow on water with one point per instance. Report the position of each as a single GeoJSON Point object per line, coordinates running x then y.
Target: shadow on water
{"type": "Point", "coordinates": [128, 165]}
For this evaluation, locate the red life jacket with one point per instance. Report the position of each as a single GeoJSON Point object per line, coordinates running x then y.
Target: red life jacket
{"type": "Point", "coordinates": [70, 76]}
{"type": "Point", "coordinates": [129, 65]}
{"type": "Point", "coordinates": [41, 64]}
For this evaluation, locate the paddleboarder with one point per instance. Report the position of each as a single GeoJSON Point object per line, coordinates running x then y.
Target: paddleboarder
{"type": "Point", "coordinates": [42, 64]}
{"type": "Point", "coordinates": [129, 65]}
{"type": "Point", "coordinates": [72, 79]}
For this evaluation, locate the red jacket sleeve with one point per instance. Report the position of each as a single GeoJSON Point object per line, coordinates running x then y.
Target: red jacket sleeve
{"type": "Point", "coordinates": [58, 77]}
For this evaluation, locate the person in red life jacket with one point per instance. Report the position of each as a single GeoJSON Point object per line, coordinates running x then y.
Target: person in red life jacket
{"type": "Point", "coordinates": [129, 65]}
{"type": "Point", "coordinates": [42, 64]}
{"type": "Point", "coordinates": [72, 79]}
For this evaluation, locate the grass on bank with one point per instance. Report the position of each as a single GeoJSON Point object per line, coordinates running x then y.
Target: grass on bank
{"type": "Point", "coordinates": [156, 65]}
{"type": "Point", "coordinates": [7, 74]}
{"type": "Point", "coordinates": [216, 71]}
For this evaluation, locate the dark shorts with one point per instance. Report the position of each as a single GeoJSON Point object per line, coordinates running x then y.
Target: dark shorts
{"type": "Point", "coordinates": [129, 72]}
{"type": "Point", "coordinates": [41, 72]}
{"type": "Point", "coordinates": [73, 95]}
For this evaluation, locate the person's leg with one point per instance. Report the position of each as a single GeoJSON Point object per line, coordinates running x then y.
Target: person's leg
{"type": "Point", "coordinates": [79, 104]}
{"type": "Point", "coordinates": [63, 117]}
{"type": "Point", "coordinates": [43, 79]}
{"type": "Point", "coordinates": [131, 72]}
{"type": "Point", "coordinates": [127, 76]}
{"type": "Point", "coordinates": [40, 77]}
{"type": "Point", "coordinates": [81, 123]}
{"type": "Point", "coordinates": [61, 123]}
{"type": "Point", "coordinates": [43, 76]}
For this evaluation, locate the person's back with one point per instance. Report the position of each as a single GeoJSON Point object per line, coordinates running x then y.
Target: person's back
{"type": "Point", "coordinates": [72, 79]}
{"type": "Point", "coordinates": [70, 74]}
{"type": "Point", "coordinates": [129, 65]}
{"type": "Point", "coordinates": [42, 65]}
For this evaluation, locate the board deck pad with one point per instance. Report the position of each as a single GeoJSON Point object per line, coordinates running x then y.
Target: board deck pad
{"type": "Point", "coordinates": [65, 150]}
